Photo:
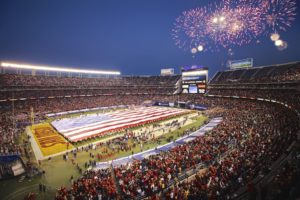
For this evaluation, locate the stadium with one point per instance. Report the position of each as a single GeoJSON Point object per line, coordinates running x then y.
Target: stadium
{"type": "Point", "coordinates": [203, 133]}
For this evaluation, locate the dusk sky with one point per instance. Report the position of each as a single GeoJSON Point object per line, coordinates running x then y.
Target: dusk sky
{"type": "Point", "coordinates": [133, 36]}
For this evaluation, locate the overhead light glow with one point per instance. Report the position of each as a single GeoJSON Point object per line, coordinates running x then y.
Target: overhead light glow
{"type": "Point", "coordinates": [57, 69]}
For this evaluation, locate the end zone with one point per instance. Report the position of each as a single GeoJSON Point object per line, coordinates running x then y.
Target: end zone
{"type": "Point", "coordinates": [46, 141]}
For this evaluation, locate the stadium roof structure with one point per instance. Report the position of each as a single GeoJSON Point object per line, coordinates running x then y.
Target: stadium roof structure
{"type": "Point", "coordinates": [57, 69]}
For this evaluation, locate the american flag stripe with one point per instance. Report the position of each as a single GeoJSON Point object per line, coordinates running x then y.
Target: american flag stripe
{"type": "Point", "coordinates": [119, 116]}
{"type": "Point", "coordinates": [119, 121]}
{"type": "Point", "coordinates": [134, 111]}
{"type": "Point", "coordinates": [120, 126]}
{"type": "Point", "coordinates": [110, 121]}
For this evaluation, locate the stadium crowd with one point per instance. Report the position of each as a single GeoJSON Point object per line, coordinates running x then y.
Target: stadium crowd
{"type": "Point", "coordinates": [285, 184]}
{"type": "Point", "coordinates": [8, 133]}
{"type": "Point", "coordinates": [25, 81]}
{"type": "Point", "coordinates": [287, 96]}
{"type": "Point", "coordinates": [251, 137]}
{"type": "Point", "coordinates": [60, 93]}
{"type": "Point", "coordinates": [279, 73]}
{"type": "Point", "coordinates": [92, 185]}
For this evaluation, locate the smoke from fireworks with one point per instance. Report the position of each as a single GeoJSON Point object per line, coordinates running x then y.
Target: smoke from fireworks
{"type": "Point", "coordinates": [232, 23]}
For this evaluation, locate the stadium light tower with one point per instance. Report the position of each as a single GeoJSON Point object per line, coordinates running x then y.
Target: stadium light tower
{"type": "Point", "coordinates": [57, 69]}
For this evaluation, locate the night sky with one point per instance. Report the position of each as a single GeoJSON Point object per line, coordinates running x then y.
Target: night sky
{"type": "Point", "coordinates": [133, 36]}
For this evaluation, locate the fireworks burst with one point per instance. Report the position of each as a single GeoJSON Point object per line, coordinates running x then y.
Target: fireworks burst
{"type": "Point", "coordinates": [232, 23]}
{"type": "Point", "coordinates": [189, 29]}
{"type": "Point", "coordinates": [234, 26]}
{"type": "Point", "coordinates": [278, 15]}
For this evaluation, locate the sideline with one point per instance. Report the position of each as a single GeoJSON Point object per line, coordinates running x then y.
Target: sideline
{"type": "Point", "coordinates": [35, 147]}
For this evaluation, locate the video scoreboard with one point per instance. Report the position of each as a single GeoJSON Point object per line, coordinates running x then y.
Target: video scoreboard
{"type": "Point", "coordinates": [194, 79]}
{"type": "Point", "coordinates": [240, 64]}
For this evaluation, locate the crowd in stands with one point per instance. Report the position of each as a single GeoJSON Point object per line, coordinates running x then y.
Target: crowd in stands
{"type": "Point", "coordinates": [23, 87]}
{"type": "Point", "coordinates": [59, 93]}
{"type": "Point", "coordinates": [10, 149]}
{"type": "Point", "coordinates": [8, 133]}
{"type": "Point", "coordinates": [25, 81]}
{"type": "Point", "coordinates": [67, 104]}
{"type": "Point", "coordinates": [287, 96]}
{"type": "Point", "coordinates": [286, 182]}
{"type": "Point", "coordinates": [278, 74]}
{"type": "Point", "coordinates": [94, 185]}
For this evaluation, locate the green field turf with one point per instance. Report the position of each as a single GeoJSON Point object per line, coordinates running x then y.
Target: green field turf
{"type": "Point", "coordinates": [58, 171]}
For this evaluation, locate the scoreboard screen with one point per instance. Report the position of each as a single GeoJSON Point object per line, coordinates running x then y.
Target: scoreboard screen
{"type": "Point", "coordinates": [194, 79]}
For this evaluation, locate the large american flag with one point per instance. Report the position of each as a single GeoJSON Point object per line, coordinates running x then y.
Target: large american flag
{"type": "Point", "coordinates": [93, 125]}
